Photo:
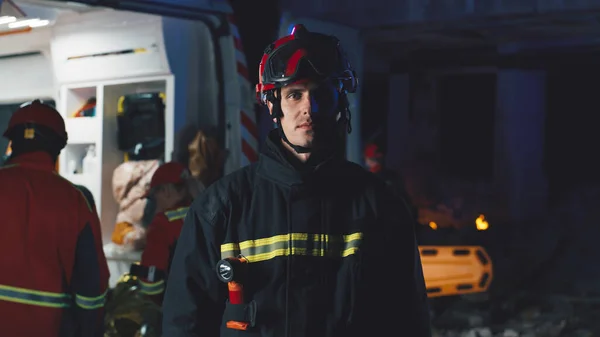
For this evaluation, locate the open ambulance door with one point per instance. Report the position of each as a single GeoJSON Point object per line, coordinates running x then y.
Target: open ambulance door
{"type": "Point", "coordinates": [354, 47]}
{"type": "Point", "coordinates": [206, 58]}
{"type": "Point", "coordinates": [100, 52]}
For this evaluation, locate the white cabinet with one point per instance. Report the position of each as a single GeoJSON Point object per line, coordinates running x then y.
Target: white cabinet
{"type": "Point", "coordinates": [101, 131]}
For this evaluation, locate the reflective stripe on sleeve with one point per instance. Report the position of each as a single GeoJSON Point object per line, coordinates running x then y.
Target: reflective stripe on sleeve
{"type": "Point", "coordinates": [177, 214]}
{"type": "Point", "coordinates": [34, 297]}
{"type": "Point", "coordinates": [90, 303]}
{"type": "Point", "coordinates": [154, 288]}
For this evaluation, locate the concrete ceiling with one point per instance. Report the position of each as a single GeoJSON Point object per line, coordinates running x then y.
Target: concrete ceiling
{"type": "Point", "coordinates": [529, 30]}
{"type": "Point", "coordinates": [395, 30]}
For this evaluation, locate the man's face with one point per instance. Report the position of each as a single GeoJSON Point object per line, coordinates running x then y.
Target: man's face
{"type": "Point", "coordinates": [307, 108]}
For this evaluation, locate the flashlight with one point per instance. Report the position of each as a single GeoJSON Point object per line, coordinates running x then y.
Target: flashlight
{"type": "Point", "coordinates": [231, 271]}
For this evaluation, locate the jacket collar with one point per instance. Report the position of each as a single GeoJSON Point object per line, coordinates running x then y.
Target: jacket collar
{"type": "Point", "coordinates": [36, 160]}
{"type": "Point", "coordinates": [278, 164]}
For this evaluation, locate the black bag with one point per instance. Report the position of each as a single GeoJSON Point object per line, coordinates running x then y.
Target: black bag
{"type": "Point", "coordinates": [141, 125]}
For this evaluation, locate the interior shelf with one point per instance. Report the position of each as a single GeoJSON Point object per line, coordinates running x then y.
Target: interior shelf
{"type": "Point", "coordinates": [76, 98]}
{"type": "Point", "coordinates": [74, 153]}
{"type": "Point", "coordinates": [101, 130]}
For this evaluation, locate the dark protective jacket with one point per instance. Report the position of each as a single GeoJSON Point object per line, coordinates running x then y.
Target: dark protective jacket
{"type": "Point", "coordinates": [54, 273]}
{"type": "Point", "coordinates": [161, 241]}
{"type": "Point", "coordinates": [395, 182]}
{"type": "Point", "coordinates": [329, 253]}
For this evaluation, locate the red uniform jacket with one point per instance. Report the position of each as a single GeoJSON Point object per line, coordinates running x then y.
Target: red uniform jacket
{"type": "Point", "coordinates": [162, 237]}
{"type": "Point", "coordinates": [54, 274]}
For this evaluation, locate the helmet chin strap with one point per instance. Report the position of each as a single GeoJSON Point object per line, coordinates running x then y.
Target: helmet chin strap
{"type": "Point", "coordinates": [299, 149]}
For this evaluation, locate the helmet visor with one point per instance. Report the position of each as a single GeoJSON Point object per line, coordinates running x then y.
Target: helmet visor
{"type": "Point", "coordinates": [319, 57]}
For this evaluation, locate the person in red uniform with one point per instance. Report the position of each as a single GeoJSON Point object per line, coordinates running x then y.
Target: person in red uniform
{"type": "Point", "coordinates": [54, 273]}
{"type": "Point", "coordinates": [169, 189]}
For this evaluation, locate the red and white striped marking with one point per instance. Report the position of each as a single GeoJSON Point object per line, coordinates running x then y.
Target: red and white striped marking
{"type": "Point", "coordinates": [248, 127]}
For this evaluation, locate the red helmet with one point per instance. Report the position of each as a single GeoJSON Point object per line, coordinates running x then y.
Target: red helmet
{"type": "Point", "coordinates": [169, 173]}
{"type": "Point", "coordinates": [33, 114]}
{"type": "Point", "coordinates": [303, 55]}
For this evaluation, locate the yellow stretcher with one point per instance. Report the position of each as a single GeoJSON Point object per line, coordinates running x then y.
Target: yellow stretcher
{"type": "Point", "coordinates": [455, 270]}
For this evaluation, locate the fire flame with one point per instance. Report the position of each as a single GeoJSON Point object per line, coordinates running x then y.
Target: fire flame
{"type": "Point", "coordinates": [481, 223]}
{"type": "Point", "coordinates": [433, 225]}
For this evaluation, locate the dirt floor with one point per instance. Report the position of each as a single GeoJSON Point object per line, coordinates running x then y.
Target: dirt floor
{"type": "Point", "coordinates": [522, 315]}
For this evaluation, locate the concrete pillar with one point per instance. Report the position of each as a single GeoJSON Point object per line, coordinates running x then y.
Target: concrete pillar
{"type": "Point", "coordinates": [398, 122]}
{"type": "Point", "coordinates": [520, 123]}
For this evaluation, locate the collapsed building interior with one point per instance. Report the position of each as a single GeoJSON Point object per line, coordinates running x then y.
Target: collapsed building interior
{"type": "Point", "coordinates": [530, 174]}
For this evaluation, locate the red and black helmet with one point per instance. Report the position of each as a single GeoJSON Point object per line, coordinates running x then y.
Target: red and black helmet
{"type": "Point", "coordinates": [35, 119]}
{"type": "Point", "coordinates": [300, 56]}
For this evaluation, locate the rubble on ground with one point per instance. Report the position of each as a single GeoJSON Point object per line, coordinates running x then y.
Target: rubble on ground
{"type": "Point", "coordinates": [521, 315]}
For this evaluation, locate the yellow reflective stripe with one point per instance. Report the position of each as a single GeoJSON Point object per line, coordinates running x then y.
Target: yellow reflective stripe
{"type": "Point", "coordinates": [34, 297]}
{"type": "Point", "coordinates": [294, 244]}
{"type": "Point", "coordinates": [154, 288]}
{"type": "Point", "coordinates": [177, 214]}
{"type": "Point", "coordinates": [90, 302]}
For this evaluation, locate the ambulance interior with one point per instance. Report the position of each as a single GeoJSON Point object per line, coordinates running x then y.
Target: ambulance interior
{"type": "Point", "coordinates": [97, 65]}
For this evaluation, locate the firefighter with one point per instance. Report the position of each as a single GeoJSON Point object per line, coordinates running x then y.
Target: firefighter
{"type": "Point", "coordinates": [313, 244]}
{"type": "Point", "coordinates": [54, 272]}
{"type": "Point", "coordinates": [169, 188]}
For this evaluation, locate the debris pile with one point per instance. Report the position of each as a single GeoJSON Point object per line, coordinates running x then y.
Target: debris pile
{"type": "Point", "coordinates": [523, 315]}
